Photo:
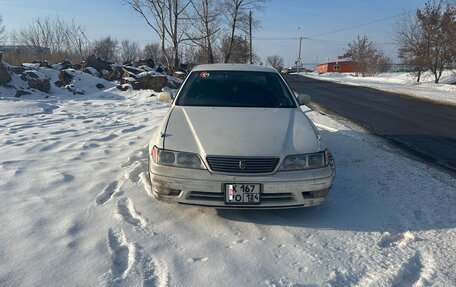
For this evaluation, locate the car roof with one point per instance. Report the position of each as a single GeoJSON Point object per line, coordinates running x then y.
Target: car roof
{"type": "Point", "coordinates": [234, 67]}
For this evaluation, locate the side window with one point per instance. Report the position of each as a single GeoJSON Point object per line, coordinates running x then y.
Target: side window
{"type": "Point", "coordinates": [336, 67]}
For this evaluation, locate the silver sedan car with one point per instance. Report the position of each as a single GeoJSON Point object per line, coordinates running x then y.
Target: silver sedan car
{"type": "Point", "coordinates": [235, 137]}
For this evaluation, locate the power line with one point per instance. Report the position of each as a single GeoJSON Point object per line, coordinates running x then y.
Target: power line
{"type": "Point", "coordinates": [266, 38]}
{"type": "Point", "coordinates": [275, 38]}
{"type": "Point", "coordinates": [361, 25]}
{"type": "Point", "coordinates": [329, 42]}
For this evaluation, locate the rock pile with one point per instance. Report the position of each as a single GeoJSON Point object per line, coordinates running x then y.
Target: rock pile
{"type": "Point", "coordinates": [36, 80]}
{"type": "Point", "coordinates": [142, 74]}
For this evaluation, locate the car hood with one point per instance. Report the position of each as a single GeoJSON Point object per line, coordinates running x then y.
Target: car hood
{"type": "Point", "coordinates": [239, 131]}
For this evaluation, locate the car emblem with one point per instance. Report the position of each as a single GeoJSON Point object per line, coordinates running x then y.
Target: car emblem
{"type": "Point", "coordinates": [242, 164]}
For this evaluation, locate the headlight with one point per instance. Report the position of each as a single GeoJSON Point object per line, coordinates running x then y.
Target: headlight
{"type": "Point", "coordinates": [176, 158]}
{"type": "Point", "coordinates": [305, 161]}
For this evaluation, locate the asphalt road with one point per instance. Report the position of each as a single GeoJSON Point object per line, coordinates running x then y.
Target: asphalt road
{"type": "Point", "coordinates": [426, 128]}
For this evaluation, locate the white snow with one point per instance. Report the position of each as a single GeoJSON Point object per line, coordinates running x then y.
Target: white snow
{"type": "Point", "coordinates": [148, 69]}
{"type": "Point", "coordinates": [75, 209]}
{"type": "Point", "coordinates": [149, 73]}
{"type": "Point", "coordinates": [402, 83]}
{"type": "Point", "coordinates": [34, 66]}
{"type": "Point", "coordinates": [81, 82]}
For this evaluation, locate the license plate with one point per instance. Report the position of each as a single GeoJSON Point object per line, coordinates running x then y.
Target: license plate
{"type": "Point", "coordinates": [242, 193]}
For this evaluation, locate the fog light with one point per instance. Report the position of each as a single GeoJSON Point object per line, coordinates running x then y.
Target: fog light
{"type": "Point", "coordinates": [319, 193]}
{"type": "Point", "coordinates": [166, 191]}
{"type": "Point", "coordinates": [174, 192]}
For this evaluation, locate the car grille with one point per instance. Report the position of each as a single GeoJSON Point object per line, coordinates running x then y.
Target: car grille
{"type": "Point", "coordinates": [248, 165]}
{"type": "Point", "coordinates": [209, 196]}
{"type": "Point", "coordinates": [276, 197]}
{"type": "Point", "coordinates": [218, 197]}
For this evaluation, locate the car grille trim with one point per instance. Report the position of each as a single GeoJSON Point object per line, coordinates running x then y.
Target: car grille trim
{"type": "Point", "coordinates": [206, 194]}
{"type": "Point", "coordinates": [252, 164]}
{"type": "Point", "coordinates": [219, 197]}
{"type": "Point", "coordinates": [276, 197]}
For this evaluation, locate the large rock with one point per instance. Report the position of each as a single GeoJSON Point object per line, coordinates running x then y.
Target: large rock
{"type": "Point", "coordinates": [145, 62]}
{"type": "Point", "coordinates": [65, 64]}
{"type": "Point", "coordinates": [127, 63]}
{"type": "Point", "coordinates": [150, 81]}
{"type": "Point", "coordinates": [91, 71]}
{"type": "Point", "coordinates": [75, 90]}
{"type": "Point", "coordinates": [133, 70]}
{"type": "Point", "coordinates": [160, 69]}
{"type": "Point", "coordinates": [42, 64]}
{"type": "Point", "coordinates": [18, 69]}
{"type": "Point", "coordinates": [174, 83]}
{"type": "Point", "coordinates": [128, 80]}
{"type": "Point", "coordinates": [114, 75]}
{"type": "Point", "coordinates": [36, 80]}
{"type": "Point", "coordinates": [124, 87]}
{"type": "Point", "coordinates": [20, 93]}
{"type": "Point", "coordinates": [5, 76]}
{"type": "Point", "coordinates": [65, 78]}
{"type": "Point", "coordinates": [97, 63]}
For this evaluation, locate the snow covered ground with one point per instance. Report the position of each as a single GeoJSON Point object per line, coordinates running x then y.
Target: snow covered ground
{"type": "Point", "coordinates": [403, 83]}
{"type": "Point", "coordinates": [75, 209]}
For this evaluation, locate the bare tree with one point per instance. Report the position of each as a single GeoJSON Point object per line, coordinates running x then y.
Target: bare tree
{"type": "Point", "coordinates": [153, 51]}
{"type": "Point", "coordinates": [452, 28]}
{"type": "Point", "coordinates": [367, 58]}
{"type": "Point", "coordinates": [129, 51]}
{"type": "Point", "coordinates": [437, 24]}
{"type": "Point", "coordinates": [193, 55]}
{"type": "Point", "coordinates": [61, 37]}
{"type": "Point", "coordinates": [237, 15]}
{"type": "Point", "coordinates": [166, 18]}
{"type": "Point", "coordinates": [3, 34]}
{"type": "Point", "coordinates": [275, 61]}
{"type": "Point", "coordinates": [205, 19]}
{"type": "Point", "coordinates": [106, 48]}
{"type": "Point", "coordinates": [410, 42]}
{"type": "Point", "coordinates": [238, 48]}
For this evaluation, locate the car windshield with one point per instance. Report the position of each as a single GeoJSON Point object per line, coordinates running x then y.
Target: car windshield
{"type": "Point", "coordinates": [235, 89]}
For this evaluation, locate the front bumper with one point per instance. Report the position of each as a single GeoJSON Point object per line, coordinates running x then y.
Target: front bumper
{"type": "Point", "coordinates": [204, 188]}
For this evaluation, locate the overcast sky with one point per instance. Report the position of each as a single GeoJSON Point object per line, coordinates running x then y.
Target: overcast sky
{"type": "Point", "coordinates": [283, 22]}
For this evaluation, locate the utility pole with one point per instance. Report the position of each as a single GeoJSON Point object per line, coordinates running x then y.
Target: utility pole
{"type": "Point", "coordinates": [298, 62]}
{"type": "Point", "coordinates": [250, 29]}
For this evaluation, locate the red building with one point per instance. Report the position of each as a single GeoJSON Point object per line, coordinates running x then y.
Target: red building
{"type": "Point", "coordinates": [337, 67]}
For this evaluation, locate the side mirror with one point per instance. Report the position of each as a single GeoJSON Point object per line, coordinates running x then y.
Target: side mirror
{"type": "Point", "coordinates": [303, 99]}
{"type": "Point", "coordinates": [165, 97]}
